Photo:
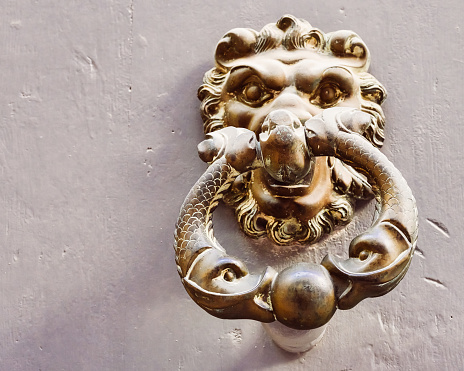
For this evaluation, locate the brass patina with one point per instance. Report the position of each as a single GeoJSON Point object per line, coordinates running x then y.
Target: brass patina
{"type": "Point", "coordinates": [293, 123]}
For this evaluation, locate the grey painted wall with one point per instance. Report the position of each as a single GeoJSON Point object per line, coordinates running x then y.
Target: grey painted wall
{"type": "Point", "coordinates": [98, 133]}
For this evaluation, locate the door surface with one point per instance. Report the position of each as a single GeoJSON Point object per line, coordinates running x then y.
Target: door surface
{"type": "Point", "coordinates": [98, 134]}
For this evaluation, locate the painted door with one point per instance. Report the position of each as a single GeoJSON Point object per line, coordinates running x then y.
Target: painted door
{"type": "Point", "coordinates": [99, 127]}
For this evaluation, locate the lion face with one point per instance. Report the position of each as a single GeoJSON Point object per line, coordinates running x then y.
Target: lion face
{"type": "Point", "coordinates": [294, 67]}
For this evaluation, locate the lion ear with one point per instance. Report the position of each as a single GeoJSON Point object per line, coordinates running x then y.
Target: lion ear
{"type": "Point", "coordinates": [237, 43]}
{"type": "Point", "coordinates": [349, 181]}
{"type": "Point", "coordinates": [348, 45]}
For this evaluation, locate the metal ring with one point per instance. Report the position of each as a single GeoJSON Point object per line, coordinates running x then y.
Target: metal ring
{"type": "Point", "coordinates": [305, 295]}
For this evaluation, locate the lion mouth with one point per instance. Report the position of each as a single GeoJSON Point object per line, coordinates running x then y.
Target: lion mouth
{"type": "Point", "coordinates": [285, 155]}
{"type": "Point", "coordinates": [289, 186]}
{"type": "Point", "coordinates": [284, 190]}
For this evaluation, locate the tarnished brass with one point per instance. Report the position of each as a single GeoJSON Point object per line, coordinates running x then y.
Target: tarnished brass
{"type": "Point", "coordinates": [293, 123]}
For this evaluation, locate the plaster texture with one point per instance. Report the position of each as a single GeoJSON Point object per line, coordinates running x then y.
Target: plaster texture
{"type": "Point", "coordinates": [98, 134]}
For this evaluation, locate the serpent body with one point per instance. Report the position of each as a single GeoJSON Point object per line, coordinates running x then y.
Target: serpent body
{"type": "Point", "coordinates": [379, 257]}
{"type": "Point", "coordinates": [193, 228]}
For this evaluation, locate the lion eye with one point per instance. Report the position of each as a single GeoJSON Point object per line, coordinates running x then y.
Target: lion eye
{"type": "Point", "coordinates": [327, 95]}
{"type": "Point", "coordinates": [254, 94]}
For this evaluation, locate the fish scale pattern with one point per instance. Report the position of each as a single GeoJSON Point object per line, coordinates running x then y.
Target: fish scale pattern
{"type": "Point", "coordinates": [397, 204]}
{"type": "Point", "coordinates": [193, 231]}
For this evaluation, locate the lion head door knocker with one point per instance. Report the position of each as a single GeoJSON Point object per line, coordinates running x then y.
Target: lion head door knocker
{"type": "Point", "coordinates": [293, 123]}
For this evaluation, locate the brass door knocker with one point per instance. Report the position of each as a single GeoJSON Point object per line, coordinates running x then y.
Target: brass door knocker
{"type": "Point", "coordinates": [293, 123]}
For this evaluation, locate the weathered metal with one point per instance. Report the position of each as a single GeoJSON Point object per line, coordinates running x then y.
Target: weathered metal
{"type": "Point", "coordinates": [293, 122]}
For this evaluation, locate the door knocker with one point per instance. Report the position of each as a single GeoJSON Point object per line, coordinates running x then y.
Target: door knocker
{"type": "Point", "coordinates": [293, 124]}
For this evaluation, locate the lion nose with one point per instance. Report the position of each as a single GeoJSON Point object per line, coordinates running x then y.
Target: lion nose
{"type": "Point", "coordinates": [291, 100]}
{"type": "Point", "coordinates": [283, 147]}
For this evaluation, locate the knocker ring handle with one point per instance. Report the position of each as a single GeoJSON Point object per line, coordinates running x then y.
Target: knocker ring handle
{"type": "Point", "coordinates": [306, 295]}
